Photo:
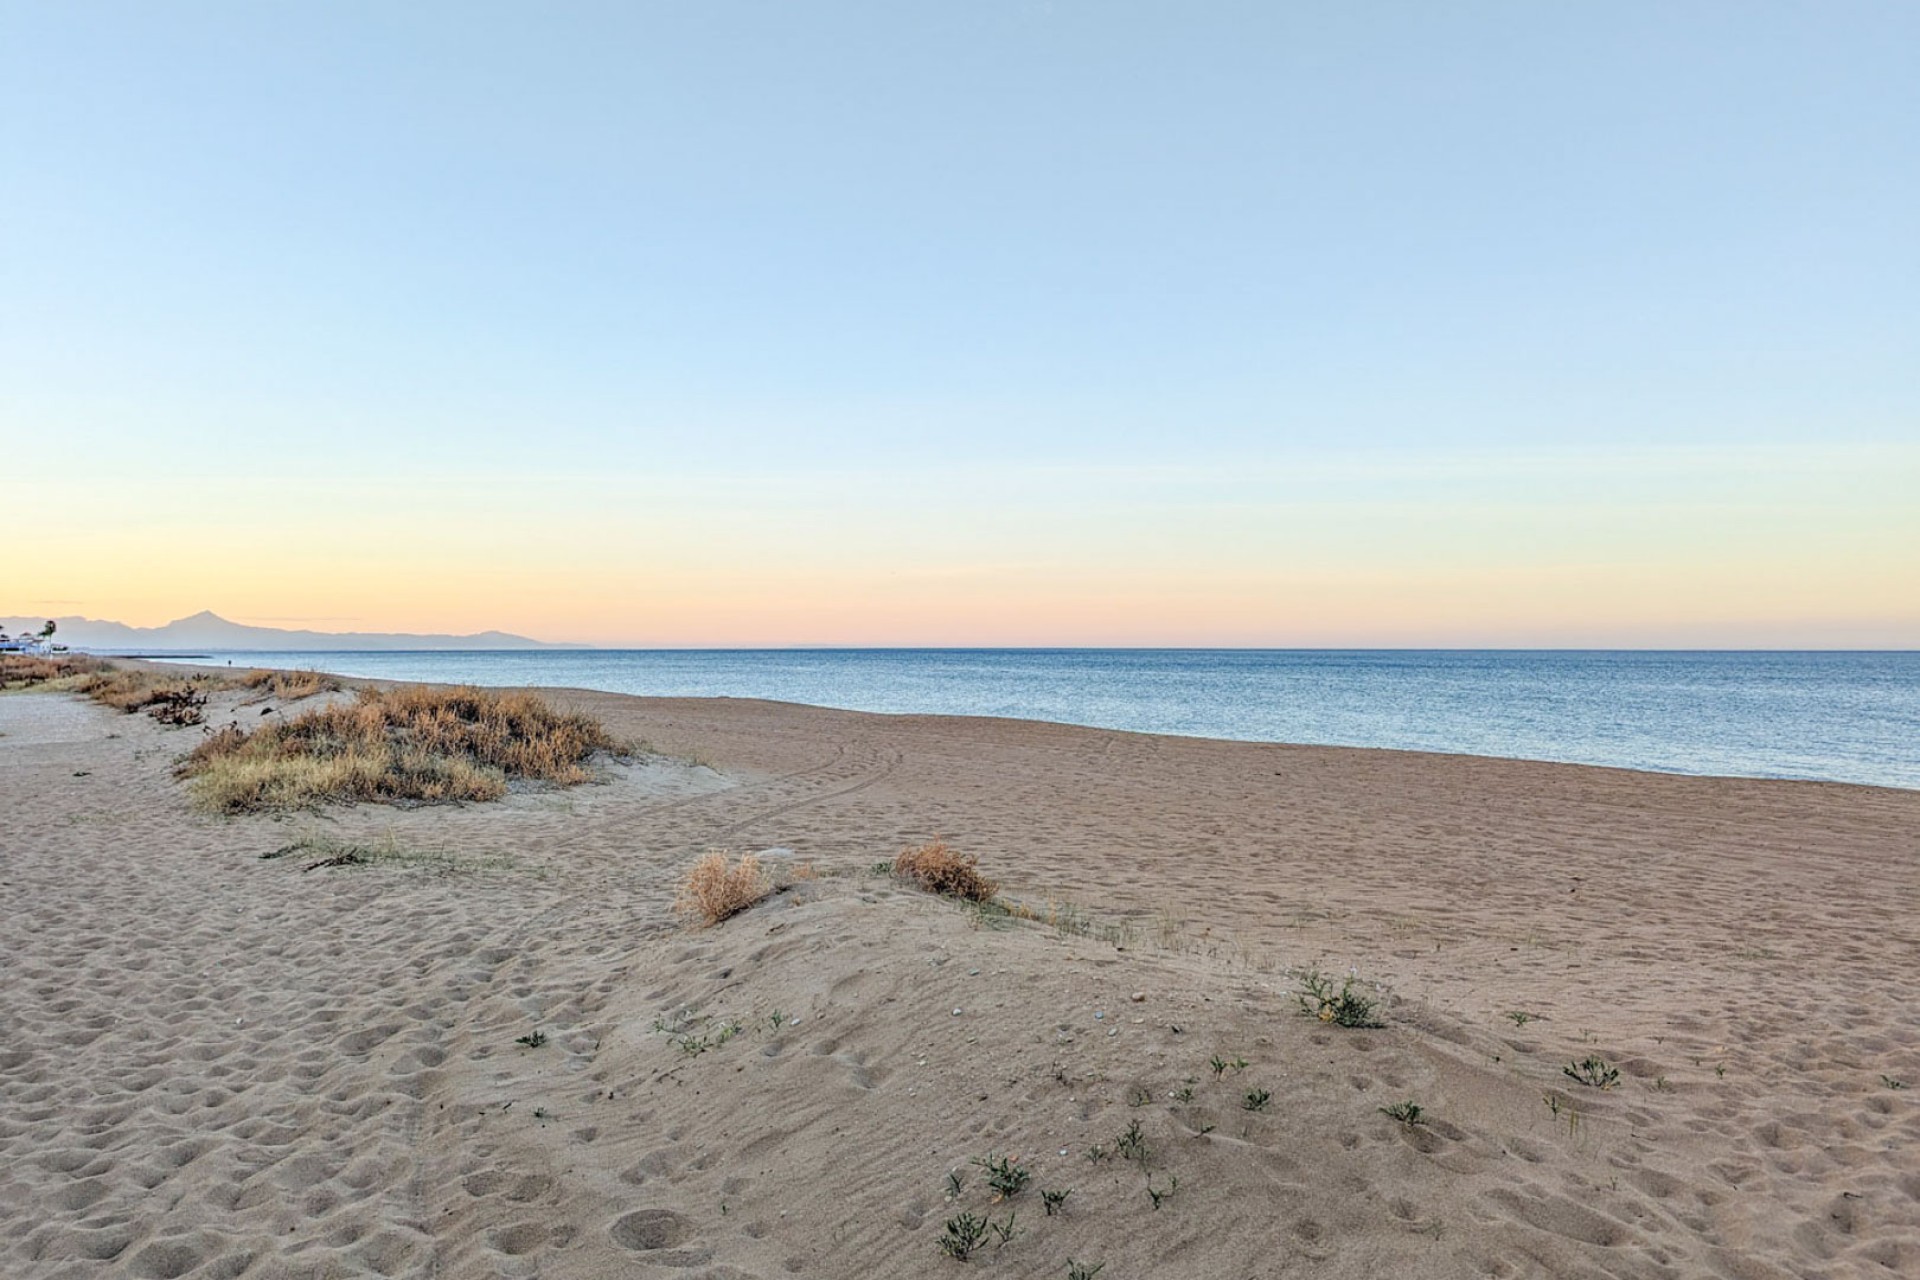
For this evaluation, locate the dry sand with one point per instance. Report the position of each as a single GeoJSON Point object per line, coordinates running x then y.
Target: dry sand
{"type": "Point", "coordinates": [217, 1065]}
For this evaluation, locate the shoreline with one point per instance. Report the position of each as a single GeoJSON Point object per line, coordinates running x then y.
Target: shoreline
{"type": "Point", "coordinates": [1738, 949]}
{"type": "Point", "coordinates": [584, 691]}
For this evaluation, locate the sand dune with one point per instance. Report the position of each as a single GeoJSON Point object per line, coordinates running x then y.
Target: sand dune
{"type": "Point", "coordinates": [216, 1064]}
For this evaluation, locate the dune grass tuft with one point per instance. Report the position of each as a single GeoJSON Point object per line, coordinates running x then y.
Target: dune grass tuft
{"type": "Point", "coordinates": [937, 868]}
{"type": "Point", "coordinates": [715, 890]}
{"type": "Point", "coordinates": [289, 685]}
{"type": "Point", "coordinates": [409, 743]}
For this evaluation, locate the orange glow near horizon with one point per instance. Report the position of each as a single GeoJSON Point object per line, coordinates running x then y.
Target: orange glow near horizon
{"type": "Point", "coordinates": [1683, 551]}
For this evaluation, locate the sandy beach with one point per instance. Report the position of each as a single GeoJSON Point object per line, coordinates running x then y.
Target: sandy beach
{"type": "Point", "coordinates": [495, 1050]}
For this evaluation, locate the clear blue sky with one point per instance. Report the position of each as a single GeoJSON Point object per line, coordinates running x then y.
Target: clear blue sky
{"type": "Point", "coordinates": [819, 272]}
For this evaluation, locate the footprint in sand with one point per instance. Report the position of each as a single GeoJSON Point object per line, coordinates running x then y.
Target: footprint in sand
{"type": "Point", "coordinates": [657, 1232]}
{"type": "Point", "coordinates": [648, 1229]}
{"type": "Point", "coordinates": [525, 1237]}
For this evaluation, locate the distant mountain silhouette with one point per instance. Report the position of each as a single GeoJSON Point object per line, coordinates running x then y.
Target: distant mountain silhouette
{"type": "Point", "coordinates": [205, 630]}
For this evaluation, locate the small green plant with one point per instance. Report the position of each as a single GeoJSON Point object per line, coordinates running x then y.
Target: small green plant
{"type": "Point", "coordinates": [1720, 1070]}
{"type": "Point", "coordinates": [1158, 1195]}
{"type": "Point", "coordinates": [882, 868]}
{"type": "Point", "coordinates": [1521, 1017]}
{"type": "Point", "coordinates": [1055, 1201]}
{"type": "Point", "coordinates": [1564, 1111]}
{"type": "Point", "coordinates": [1132, 1145]}
{"type": "Point", "coordinates": [1343, 1007]}
{"type": "Point", "coordinates": [1082, 1271]}
{"type": "Point", "coordinates": [1096, 1153]}
{"type": "Point", "coordinates": [1183, 1094]}
{"type": "Point", "coordinates": [533, 1039]}
{"type": "Point", "coordinates": [1408, 1113]}
{"type": "Point", "coordinates": [1893, 1083]}
{"type": "Point", "coordinates": [1139, 1097]}
{"type": "Point", "coordinates": [1005, 1230]}
{"type": "Point", "coordinates": [1004, 1175]}
{"type": "Point", "coordinates": [1595, 1073]}
{"type": "Point", "coordinates": [964, 1234]}
{"type": "Point", "coordinates": [1256, 1100]}
{"type": "Point", "coordinates": [1222, 1065]}
{"type": "Point", "coordinates": [777, 1020]}
{"type": "Point", "coordinates": [712, 1038]}
{"type": "Point", "coordinates": [955, 1183]}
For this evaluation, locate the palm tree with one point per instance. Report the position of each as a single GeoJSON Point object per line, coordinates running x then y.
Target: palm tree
{"type": "Point", "coordinates": [46, 632]}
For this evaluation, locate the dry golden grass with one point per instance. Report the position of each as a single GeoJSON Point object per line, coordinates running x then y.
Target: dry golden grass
{"type": "Point", "coordinates": [289, 685]}
{"type": "Point", "coordinates": [169, 699]}
{"type": "Point", "coordinates": [939, 869]}
{"type": "Point", "coordinates": [410, 743]}
{"type": "Point", "coordinates": [25, 671]}
{"type": "Point", "coordinates": [127, 691]}
{"type": "Point", "coordinates": [713, 890]}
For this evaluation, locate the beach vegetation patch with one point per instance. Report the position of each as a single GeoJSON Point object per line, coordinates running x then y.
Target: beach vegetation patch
{"type": "Point", "coordinates": [716, 889]}
{"type": "Point", "coordinates": [1409, 1113]}
{"type": "Point", "coordinates": [940, 869]}
{"type": "Point", "coordinates": [964, 1234]}
{"type": "Point", "coordinates": [179, 705]}
{"type": "Point", "coordinates": [385, 850]}
{"type": "Point", "coordinates": [1004, 1175]}
{"type": "Point", "coordinates": [1595, 1073]}
{"type": "Point", "coordinates": [1132, 1145]}
{"type": "Point", "coordinates": [1344, 1006]}
{"type": "Point", "coordinates": [396, 745]}
{"type": "Point", "coordinates": [712, 1038]}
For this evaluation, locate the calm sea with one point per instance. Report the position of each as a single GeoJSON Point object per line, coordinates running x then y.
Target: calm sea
{"type": "Point", "coordinates": [1849, 717]}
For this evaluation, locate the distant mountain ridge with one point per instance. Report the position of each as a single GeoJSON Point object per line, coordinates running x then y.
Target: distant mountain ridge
{"type": "Point", "coordinates": [207, 630]}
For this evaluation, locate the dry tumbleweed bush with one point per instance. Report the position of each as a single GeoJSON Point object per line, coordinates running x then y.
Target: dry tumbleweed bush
{"type": "Point", "coordinates": [713, 890]}
{"type": "Point", "coordinates": [940, 869]}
